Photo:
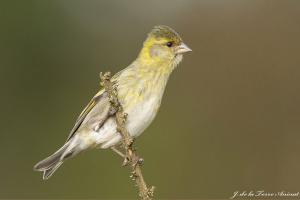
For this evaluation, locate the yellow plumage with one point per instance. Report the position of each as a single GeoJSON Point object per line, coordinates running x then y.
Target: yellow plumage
{"type": "Point", "coordinates": [140, 89]}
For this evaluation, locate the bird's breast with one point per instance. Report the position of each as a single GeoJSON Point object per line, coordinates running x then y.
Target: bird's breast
{"type": "Point", "coordinates": [141, 97]}
{"type": "Point", "coordinates": [141, 102]}
{"type": "Point", "coordinates": [141, 115]}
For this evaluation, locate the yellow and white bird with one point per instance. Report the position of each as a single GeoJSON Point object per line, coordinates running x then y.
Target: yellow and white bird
{"type": "Point", "coordinates": [140, 89]}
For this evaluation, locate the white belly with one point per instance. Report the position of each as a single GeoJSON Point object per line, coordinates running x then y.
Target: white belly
{"type": "Point", "coordinates": [139, 118]}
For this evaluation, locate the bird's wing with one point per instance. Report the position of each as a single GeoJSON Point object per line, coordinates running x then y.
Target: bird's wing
{"type": "Point", "coordinates": [96, 112]}
{"type": "Point", "coordinates": [99, 102]}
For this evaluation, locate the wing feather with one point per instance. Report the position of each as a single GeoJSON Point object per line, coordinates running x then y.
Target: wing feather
{"type": "Point", "coordinates": [96, 99]}
{"type": "Point", "coordinates": [101, 103]}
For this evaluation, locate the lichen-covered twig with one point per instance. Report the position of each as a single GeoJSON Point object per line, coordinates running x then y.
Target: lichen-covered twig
{"type": "Point", "coordinates": [131, 158]}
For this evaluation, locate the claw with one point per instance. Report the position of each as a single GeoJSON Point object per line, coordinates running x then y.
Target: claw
{"type": "Point", "coordinates": [125, 162]}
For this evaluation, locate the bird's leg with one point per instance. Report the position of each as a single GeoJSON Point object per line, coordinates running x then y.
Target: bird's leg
{"type": "Point", "coordinates": [123, 155]}
{"type": "Point", "coordinates": [127, 158]}
{"type": "Point", "coordinates": [119, 152]}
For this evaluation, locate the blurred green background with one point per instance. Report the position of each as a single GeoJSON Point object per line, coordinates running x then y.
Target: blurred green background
{"type": "Point", "coordinates": [230, 117]}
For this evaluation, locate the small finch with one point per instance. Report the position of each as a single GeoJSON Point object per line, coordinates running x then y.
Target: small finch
{"type": "Point", "coordinates": [140, 88]}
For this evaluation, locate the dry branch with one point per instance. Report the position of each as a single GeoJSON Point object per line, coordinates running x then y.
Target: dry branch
{"type": "Point", "coordinates": [131, 158]}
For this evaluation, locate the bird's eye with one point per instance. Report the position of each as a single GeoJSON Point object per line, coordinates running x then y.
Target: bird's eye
{"type": "Point", "coordinates": [169, 44]}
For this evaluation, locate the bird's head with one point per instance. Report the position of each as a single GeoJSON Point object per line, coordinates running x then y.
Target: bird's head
{"type": "Point", "coordinates": [163, 45]}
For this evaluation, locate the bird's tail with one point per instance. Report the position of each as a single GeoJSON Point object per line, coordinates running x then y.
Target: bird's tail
{"type": "Point", "coordinates": [50, 164]}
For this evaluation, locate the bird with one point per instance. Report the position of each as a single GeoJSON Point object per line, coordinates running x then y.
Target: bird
{"type": "Point", "coordinates": [140, 88]}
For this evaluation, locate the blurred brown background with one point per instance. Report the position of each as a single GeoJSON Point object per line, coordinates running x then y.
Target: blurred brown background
{"type": "Point", "coordinates": [230, 118]}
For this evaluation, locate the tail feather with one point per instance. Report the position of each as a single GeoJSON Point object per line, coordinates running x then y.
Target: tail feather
{"type": "Point", "coordinates": [50, 164]}
{"type": "Point", "coordinates": [48, 173]}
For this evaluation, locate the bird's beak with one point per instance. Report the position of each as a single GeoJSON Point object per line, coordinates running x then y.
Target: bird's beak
{"type": "Point", "coordinates": [183, 48]}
